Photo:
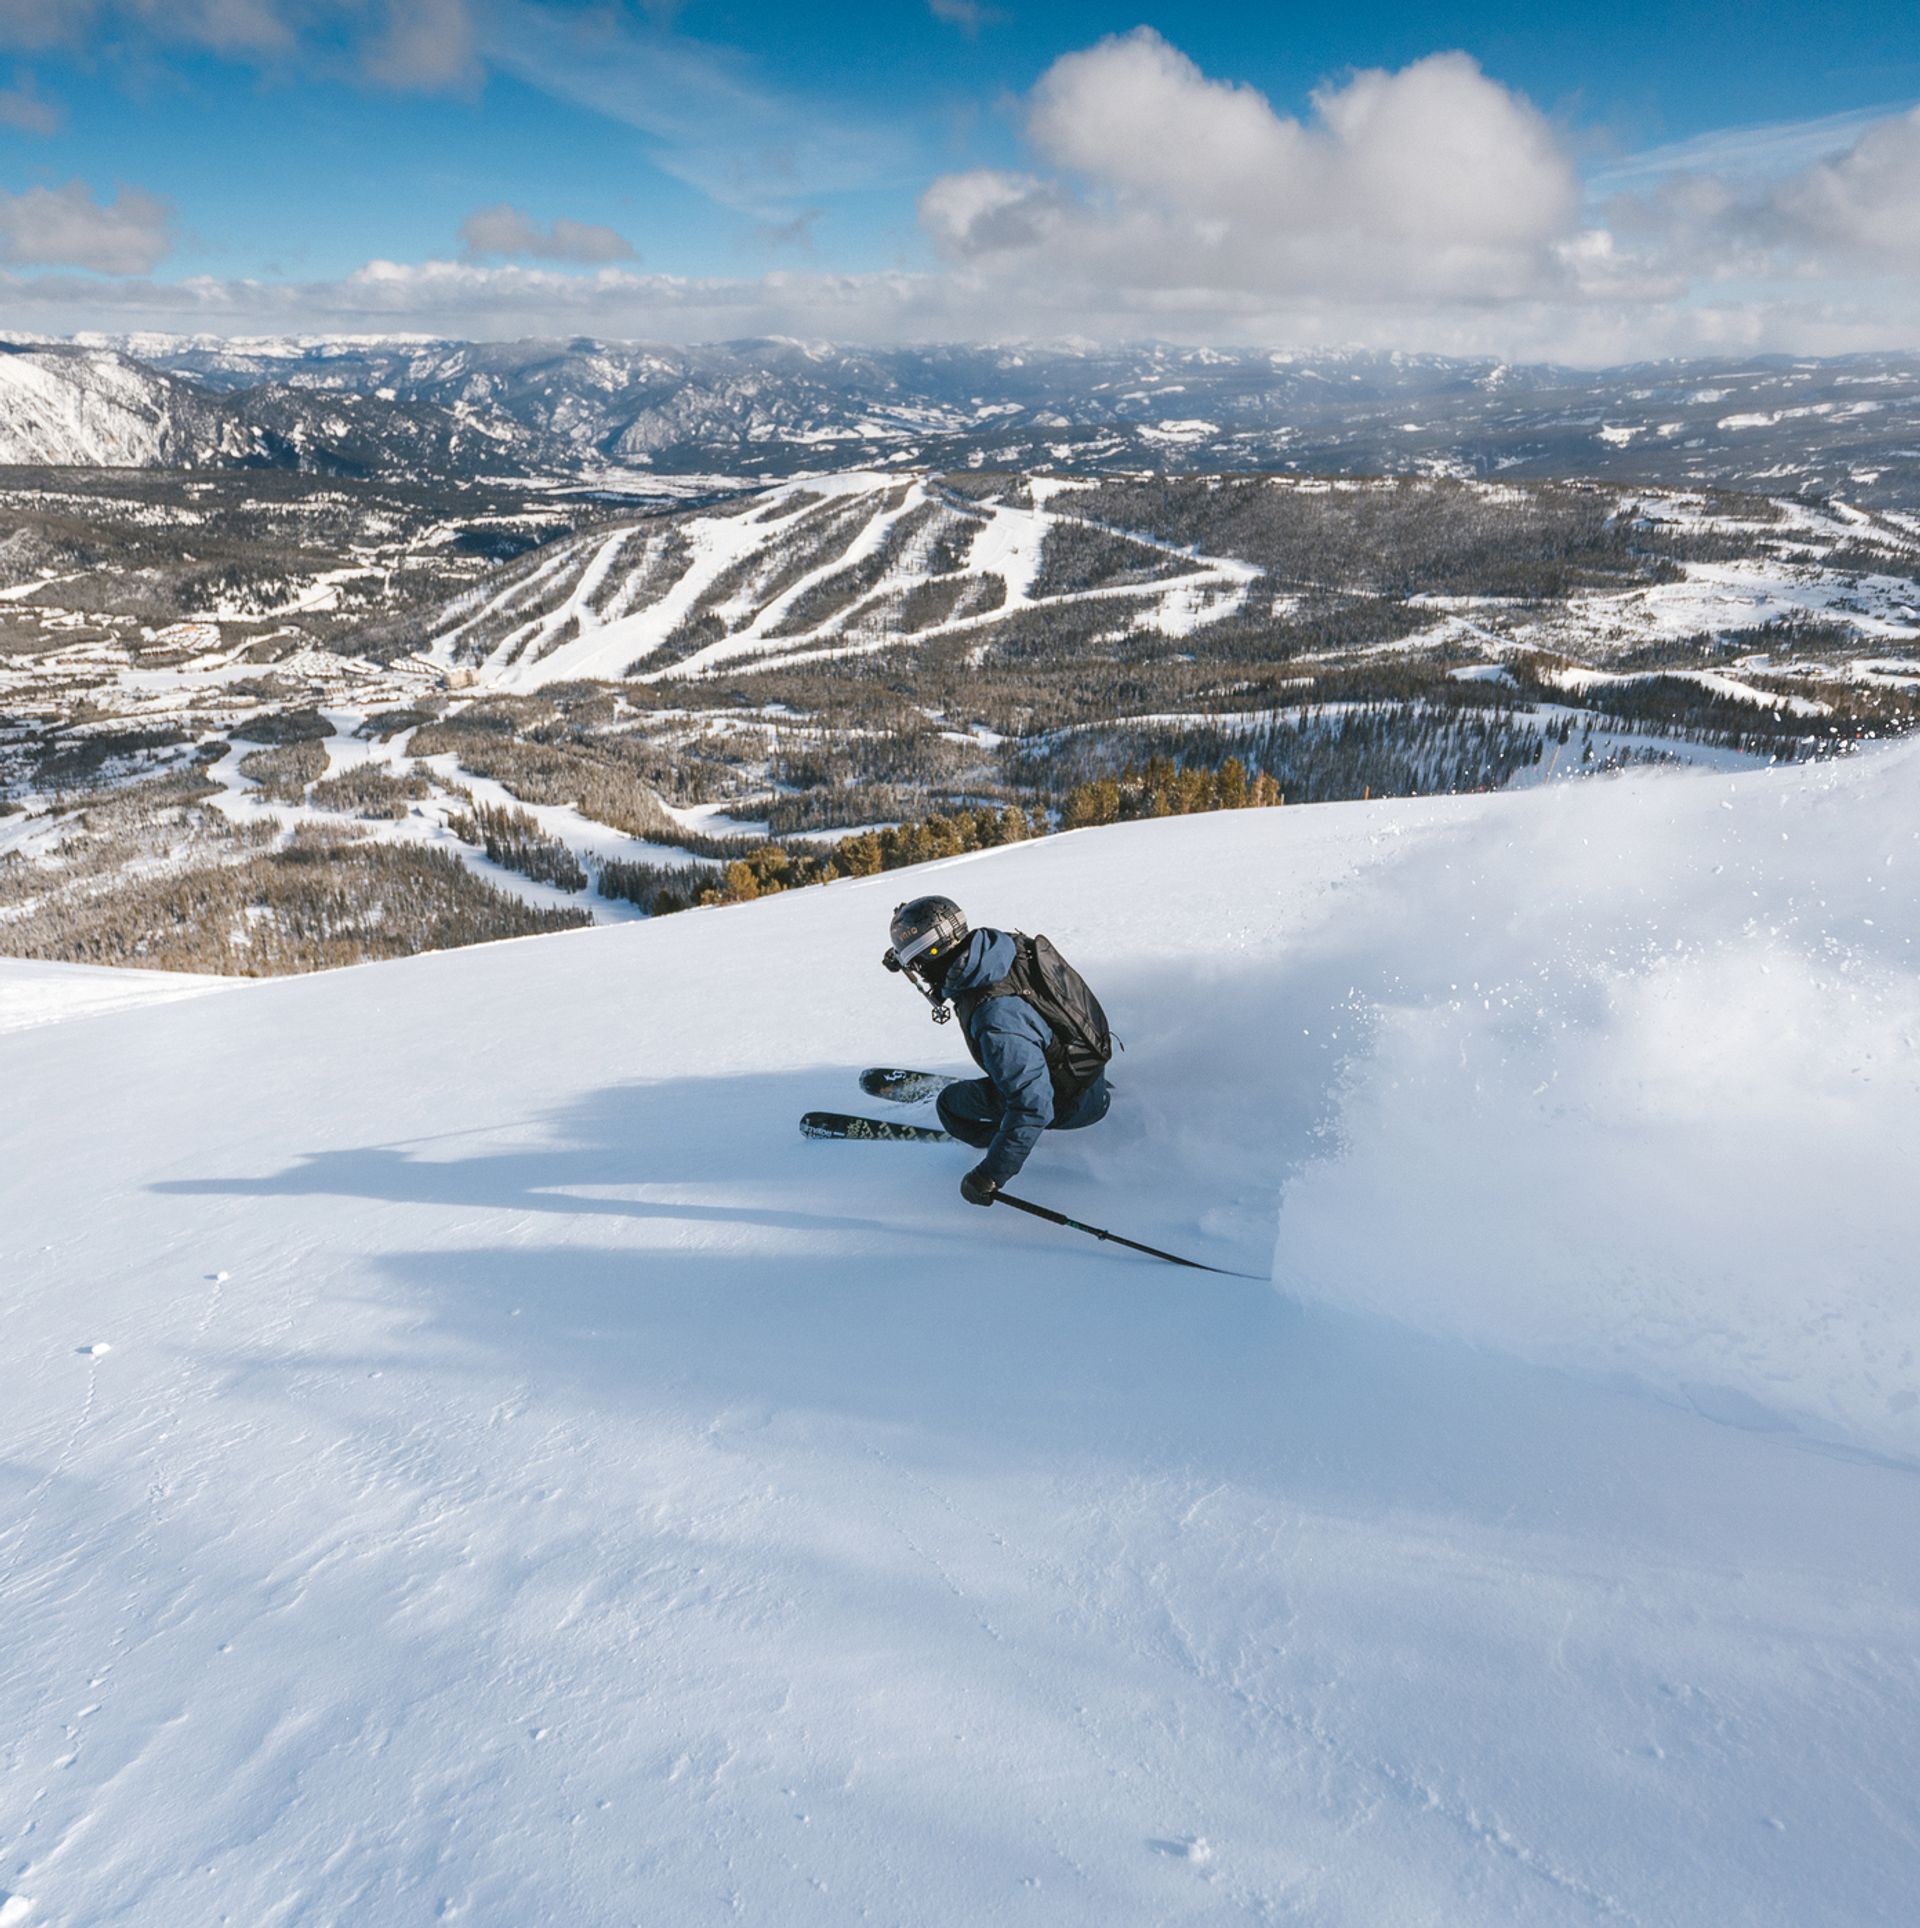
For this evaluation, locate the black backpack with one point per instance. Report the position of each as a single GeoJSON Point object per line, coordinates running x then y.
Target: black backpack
{"type": "Point", "coordinates": [1082, 1044]}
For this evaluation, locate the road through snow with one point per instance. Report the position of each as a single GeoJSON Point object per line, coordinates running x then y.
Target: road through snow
{"type": "Point", "coordinates": [467, 1457]}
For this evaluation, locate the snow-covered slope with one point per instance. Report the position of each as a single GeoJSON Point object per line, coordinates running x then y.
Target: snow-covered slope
{"type": "Point", "coordinates": [869, 560]}
{"type": "Point", "coordinates": [469, 1458]}
{"type": "Point", "coordinates": [66, 405]}
{"type": "Point", "coordinates": [33, 992]}
{"type": "Point", "coordinates": [62, 406]}
{"type": "Point", "coordinates": [826, 568]}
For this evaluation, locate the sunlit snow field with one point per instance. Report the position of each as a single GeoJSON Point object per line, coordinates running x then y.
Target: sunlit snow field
{"type": "Point", "coordinates": [467, 1457]}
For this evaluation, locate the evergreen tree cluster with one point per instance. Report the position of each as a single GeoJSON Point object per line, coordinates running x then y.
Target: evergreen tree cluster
{"type": "Point", "coordinates": [1393, 749]}
{"type": "Point", "coordinates": [233, 901]}
{"type": "Point", "coordinates": [1162, 788]}
{"type": "Point", "coordinates": [514, 840]}
{"type": "Point", "coordinates": [369, 790]}
{"type": "Point", "coordinates": [1308, 753]}
{"type": "Point", "coordinates": [1158, 789]}
{"type": "Point", "coordinates": [75, 760]}
{"type": "Point", "coordinates": [284, 772]}
{"type": "Point", "coordinates": [595, 777]}
{"type": "Point", "coordinates": [774, 867]}
{"type": "Point", "coordinates": [1394, 535]}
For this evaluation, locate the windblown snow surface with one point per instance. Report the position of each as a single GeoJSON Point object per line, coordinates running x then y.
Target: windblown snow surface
{"type": "Point", "coordinates": [468, 1457]}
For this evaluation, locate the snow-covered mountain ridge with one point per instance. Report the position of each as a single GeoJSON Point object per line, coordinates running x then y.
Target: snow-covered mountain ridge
{"type": "Point", "coordinates": [60, 407]}
{"type": "Point", "coordinates": [769, 408]}
{"type": "Point", "coordinates": [473, 1459]}
{"type": "Point", "coordinates": [65, 406]}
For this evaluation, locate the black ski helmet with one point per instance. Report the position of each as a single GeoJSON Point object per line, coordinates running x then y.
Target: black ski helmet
{"type": "Point", "coordinates": [926, 932]}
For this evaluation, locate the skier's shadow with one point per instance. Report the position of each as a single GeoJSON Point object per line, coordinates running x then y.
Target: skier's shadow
{"type": "Point", "coordinates": [620, 1138]}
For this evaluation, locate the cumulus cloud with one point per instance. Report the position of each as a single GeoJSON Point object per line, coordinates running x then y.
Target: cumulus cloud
{"type": "Point", "coordinates": [1431, 181]}
{"type": "Point", "coordinates": [1764, 153]}
{"type": "Point", "coordinates": [1430, 207]}
{"type": "Point", "coordinates": [67, 228]}
{"type": "Point", "coordinates": [1864, 205]}
{"type": "Point", "coordinates": [1425, 208]}
{"type": "Point", "coordinates": [1827, 213]}
{"type": "Point", "coordinates": [507, 230]}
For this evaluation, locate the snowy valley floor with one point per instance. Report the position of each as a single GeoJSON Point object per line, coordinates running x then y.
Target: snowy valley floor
{"type": "Point", "coordinates": [467, 1457]}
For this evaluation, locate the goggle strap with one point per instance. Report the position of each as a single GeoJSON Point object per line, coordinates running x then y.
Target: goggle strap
{"type": "Point", "coordinates": [923, 943]}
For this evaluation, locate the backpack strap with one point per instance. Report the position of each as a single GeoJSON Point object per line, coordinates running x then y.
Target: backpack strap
{"type": "Point", "coordinates": [1024, 981]}
{"type": "Point", "coordinates": [966, 1003]}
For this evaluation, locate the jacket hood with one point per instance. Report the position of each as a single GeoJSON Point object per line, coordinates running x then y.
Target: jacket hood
{"type": "Point", "coordinates": [985, 957]}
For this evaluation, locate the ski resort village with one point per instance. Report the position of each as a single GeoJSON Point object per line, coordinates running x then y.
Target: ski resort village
{"type": "Point", "coordinates": [958, 969]}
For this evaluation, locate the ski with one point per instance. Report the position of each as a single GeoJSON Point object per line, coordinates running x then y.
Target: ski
{"type": "Point", "coordinates": [904, 1087]}
{"type": "Point", "coordinates": [837, 1124]}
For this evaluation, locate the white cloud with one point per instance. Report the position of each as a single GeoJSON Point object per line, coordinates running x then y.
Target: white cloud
{"type": "Point", "coordinates": [67, 228]}
{"type": "Point", "coordinates": [1431, 181]}
{"type": "Point", "coordinates": [24, 110]}
{"type": "Point", "coordinates": [968, 15]}
{"type": "Point", "coordinates": [1817, 221]}
{"type": "Point", "coordinates": [225, 26]}
{"type": "Point", "coordinates": [424, 44]}
{"type": "Point", "coordinates": [45, 23]}
{"type": "Point", "coordinates": [1429, 208]}
{"type": "Point", "coordinates": [1864, 205]}
{"type": "Point", "coordinates": [506, 230]}
{"type": "Point", "coordinates": [1426, 208]}
{"type": "Point", "coordinates": [715, 120]}
{"type": "Point", "coordinates": [428, 44]}
{"type": "Point", "coordinates": [1765, 152]}
{"type": "Point", "coordinates": [990, 214]}
{"type": "Point", "coordinates": [479, 301]}
{"type": "Point", "coordinates": [467, 299]}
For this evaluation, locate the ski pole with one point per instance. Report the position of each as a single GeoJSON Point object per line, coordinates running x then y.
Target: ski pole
{"type": "Point", "coordinates": [1113, 1238]}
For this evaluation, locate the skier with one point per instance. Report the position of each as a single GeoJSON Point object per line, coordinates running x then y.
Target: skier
{"type": "Point", "coordinates": [1030, 1023]}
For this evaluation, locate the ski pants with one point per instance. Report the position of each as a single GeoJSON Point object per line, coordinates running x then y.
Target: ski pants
{"type": "Point", "coordinates": [972, 1110]}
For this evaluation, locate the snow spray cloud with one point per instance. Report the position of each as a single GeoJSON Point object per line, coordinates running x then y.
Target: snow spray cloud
{"type": "Point", "coordinates": [1642, 1096]}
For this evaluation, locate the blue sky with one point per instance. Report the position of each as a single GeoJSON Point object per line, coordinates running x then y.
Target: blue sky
{"type": "Point", "coordinates": [236, 160]}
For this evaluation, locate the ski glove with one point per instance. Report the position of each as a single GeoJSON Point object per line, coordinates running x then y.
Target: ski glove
{"type": "Point", "coordinates": [977, 1188]}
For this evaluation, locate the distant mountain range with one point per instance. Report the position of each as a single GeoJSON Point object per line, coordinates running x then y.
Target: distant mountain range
{"type": "Point", "coordinates": [585, 409]}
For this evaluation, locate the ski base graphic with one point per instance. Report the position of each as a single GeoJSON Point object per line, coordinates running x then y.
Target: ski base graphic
{"type": "Point", "coordinates": [904, 1087]}
{"type": "Point", "coordinates": [838, 1124]}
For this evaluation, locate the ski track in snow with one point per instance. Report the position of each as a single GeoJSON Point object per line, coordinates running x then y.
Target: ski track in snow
{"type": "Point", "coordinates": [1006, 548]}
{"type": "Point", "coordinates": [516, 1478]}
{"type": "Point", "coordinates": [717, 543]}
{"type": "Point", "coordinates": [1007, 544]}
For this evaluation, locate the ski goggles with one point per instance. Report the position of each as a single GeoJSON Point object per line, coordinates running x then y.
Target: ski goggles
{"type": "Point", "coordinates": [925, 945]}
